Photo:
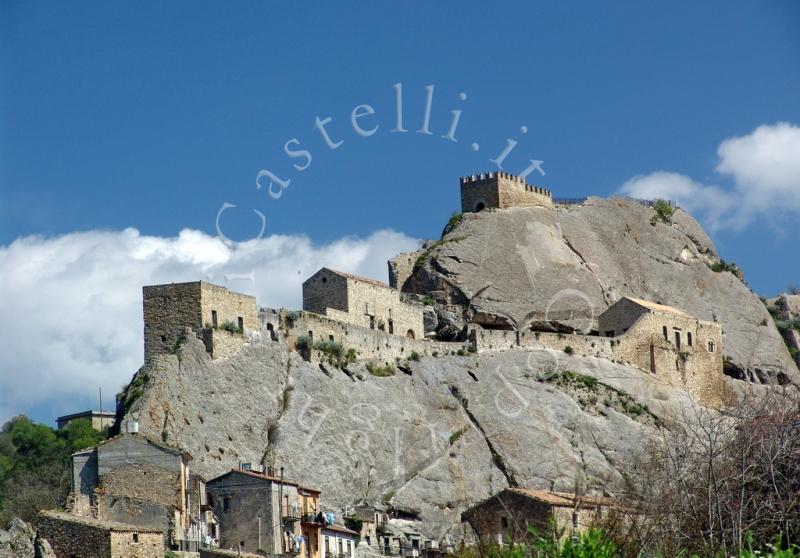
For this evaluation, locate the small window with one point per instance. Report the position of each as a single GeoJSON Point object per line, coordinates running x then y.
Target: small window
{"type": "Point", "coordinates": [678, 340]}
{"type": "Point", "coordinates": [710, 346]}
{"type": "Point", "coordinates": [689, 339]}
{"type": "Point", "coordinates": [226, 504]}
{"type": "Point", "coordinates": [479, 207]}
{"type": "Point", "coordinates": [163, 338]}
{"type": "Point", "coordinates": [391, 326]}
{"type": "Point", "coordinates": [330, 337]}
{"type": "Point", "coordinates": [241, 324]}
{"type": "Point", "coordinates": [666, 333]}
{"type": "Point", "coordinates": [214, 318]}
{"type": "Point", "coordinates": [504, 522]}
{"type": "Point", "coordinates": [324, 279]}
{"type": "Point", "coordinates": [136, 537]}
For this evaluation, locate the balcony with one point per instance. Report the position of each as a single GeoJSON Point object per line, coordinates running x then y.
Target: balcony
{"type": "Point", "coordinates": [311, 519]}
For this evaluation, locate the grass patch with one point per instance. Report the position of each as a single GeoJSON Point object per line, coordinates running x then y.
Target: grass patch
{"type": "Point", "coordinates": [453, 222]}
{"type": "Point", "coordinates": [457, 434]}
{"type": "Point", "coordinates": [335, 354]}
{"type": "Point", "coordinates": [303, 343]}
{"type": "Point", "coordinates": [569, 350]}
{"type": "Point", "coordinates": [380, 371]}
{"type": "Point", "coordinates": [414, 356]}
{"type": "Point", "coordinates": [722, 265]}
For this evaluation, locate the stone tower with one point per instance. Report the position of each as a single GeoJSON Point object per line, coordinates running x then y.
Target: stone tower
{"type": "Point", "coordinates": [499, 190]}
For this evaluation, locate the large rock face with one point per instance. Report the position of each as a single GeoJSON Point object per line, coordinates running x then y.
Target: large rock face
{"type": "Point", "coordinates": [518, 266]}
{"type": "Point", "coordinates": [431, 442]}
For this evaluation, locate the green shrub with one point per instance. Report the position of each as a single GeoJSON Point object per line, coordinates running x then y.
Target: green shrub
{"type": "Point", "coordinates": [663, 211]}
{"type": "Point", "coordinates": [303, 343]}
{"type": "Point", "coordinates": [231, 327]}
{"type": "Point", "coordinates": [413, 356]}
{"type": "Point", "coordinates": [453, 222]}
{"type": "Point", "coordinates": [569, 350]}
{"type": "Point", "coordinates": [472, 349]}
{"type": "Point", "coordinates": [461, 352]}
{"type": "Point", "coordinates": [380, 371]}
{"type": "Point", "coordinates": [722, 265]}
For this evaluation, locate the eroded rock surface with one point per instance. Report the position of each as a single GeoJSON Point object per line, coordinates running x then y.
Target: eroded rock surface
{"type": "Point", "coordinates": [431, 442]}
{"type": "Point", "coordinates": [521, 266]}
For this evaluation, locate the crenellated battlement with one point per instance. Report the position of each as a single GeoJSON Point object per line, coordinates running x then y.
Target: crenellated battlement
{"type": "Point", "coordinates": [498, 190]}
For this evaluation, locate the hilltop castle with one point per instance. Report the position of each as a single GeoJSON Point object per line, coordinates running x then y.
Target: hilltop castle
{"type": "Point", "coordinates": [499, 190]}
{"type": "Point", "coordinates": [370, 320]}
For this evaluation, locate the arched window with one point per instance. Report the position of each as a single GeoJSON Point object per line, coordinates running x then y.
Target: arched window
{"type": "Point", "coordinates": [666, 333]}
{"type": "Point", "coordinates": [410, 334]}
{"type": "Point", "coordinates": [479, 207]}
{"type": "Point", "coordinates": [689, 339]}
{"type": "Point", "coordinates": [710, 346]}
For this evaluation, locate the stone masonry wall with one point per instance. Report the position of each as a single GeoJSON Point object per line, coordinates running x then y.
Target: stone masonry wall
{"type": "Point", "coordinates": [368, 343]}
{"type": "Point", "coordinates": [143, 482]}
{"type": "Point", "coordinates": [126, 544]}
{"type": "Point", "coordinates": [74, 537]}
{"type": "Point", "coordinates": [501, 190]}
{"type": "Point", "coordinates": [168, 309]}
{"type": "Point", "coordinates": [695, 368]}
{"type": "Point", "coordinates": [362, 302]}
{"type": "Point", "coordinates": [230, 307]}
{"type": "Point", "coordinates": [400, 269]}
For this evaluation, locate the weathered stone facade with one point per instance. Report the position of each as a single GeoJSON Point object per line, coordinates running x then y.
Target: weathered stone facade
{"type": "Point", "coordinates": [508, 515]}
{"type": "Point", "coordinates": [499, 190]}
{"type": "Point", "coordinates": [71, 536]}
{"type": "Point", "coordinates": [134, 480]}
{"type": "Point", "coordinates": [363, 302]}
{"type": "Point", "coordinates": [259, 512]}
{"type": "Point", "coordinates": [368, 343]}
{"type": "Point", "coordinates": [170, 309]}
{"type": "Point", "coordinates": [638, 340]}
{"type": "Point", "coordinates": [400, 269]}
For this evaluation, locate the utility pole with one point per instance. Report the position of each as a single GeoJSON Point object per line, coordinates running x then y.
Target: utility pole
{"type": "Point", "coordinates": [101, 407]}
{"type": "Point", "coordinates": [259, 532]}
{"type": "Point", "coordinates": [280, 508]}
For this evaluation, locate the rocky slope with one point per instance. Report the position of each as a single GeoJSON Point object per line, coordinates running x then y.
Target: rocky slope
{"type": "Point", "coordinates": [20, 541]}
{"type": "Point", "coordinates": [519, 266]}
{"type": "Point", "coordinates": [430, 442]}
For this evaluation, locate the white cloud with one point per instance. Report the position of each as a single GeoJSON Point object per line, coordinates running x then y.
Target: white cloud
{"type": "Point", "coordinates": [72, 317]}
{"type": "Point", "coordinates": [762, 168]}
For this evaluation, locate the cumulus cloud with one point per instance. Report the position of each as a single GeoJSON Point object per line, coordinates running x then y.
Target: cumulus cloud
{"type": "Point", "coordinates": [72, 303]}
{"type": "Point", "coordinates": [761, 169]}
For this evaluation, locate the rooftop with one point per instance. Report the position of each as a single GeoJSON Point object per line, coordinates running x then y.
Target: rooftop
{"type": "Point", "coordinates": [659, 307]}
{"type": "Point", "coordinates": [374, 282]}
{"type": "Point", "coordinates": [92, 522]}
{"type": "Point", "coordinates": [563, 499]}
{"type": "Point", "coordinates": [266, 477]}
{"type": "Point", "coordinates": [84, 414]}
{"type": "Point", "coordinates": [339, 529]}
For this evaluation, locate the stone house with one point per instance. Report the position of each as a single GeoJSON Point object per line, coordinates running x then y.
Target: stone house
{"type": "Point", "coordinates": [220, 317]}
{"type": "Point", "coordinates": [668, 342]}
{"type": "Point", "coordinates": [363, 302]}
{"type": "Point", "coordinates": [261, 512]}
{"type": "Point", "coordinates": [499, 190]}
{"type": "Point", "coordinates": [508, 515]}
{"type": "Point", "coordinates": [99, 419]}
{"type": "Point", "coordinates": [135, 480]}
{"type": "Point", "coordinates": [72, 536]}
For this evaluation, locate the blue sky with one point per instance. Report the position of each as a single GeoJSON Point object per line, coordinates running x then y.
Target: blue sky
{"type": "Point", "coordinates": [151, 115]}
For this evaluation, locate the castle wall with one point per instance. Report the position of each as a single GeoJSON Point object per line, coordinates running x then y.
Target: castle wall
{"type": "Point", "coordinates": [693, 368]}
{"type": "Point", "coordinates": [368, 343]}
{"type": "Point", "coordinates": [500, 190]}
{"type": "Point", "coordinates": [401, 267]}
{"type": "Point", "coordinates": [361, 302]}
{"type": "Point", "coordinates": [170, 309]}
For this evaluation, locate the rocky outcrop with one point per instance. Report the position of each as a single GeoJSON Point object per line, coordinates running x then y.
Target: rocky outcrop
{"type": "Point", "coordinates": [558, 268]}
{"type": "Point", "coordinates": [786, 311]}
{"type": "Point", "coordinates": [435, 438]}
{"type": "Point", "coordinates": [20, 541]}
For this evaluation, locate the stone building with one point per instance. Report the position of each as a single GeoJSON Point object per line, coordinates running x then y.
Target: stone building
{"type": "Point", "coordinates": [508, 515]}
{"type": "Point", "coordinates": [337, 542]}
{"type": "Point", "coordinates": [363, 302]}
{"type": "Point", "coordinates": [99, 419]}
{"type": "Point", "coordinates": [262, 512]}
{"type": "Point", "coordinates": [221, 318]}
{"type": "Point", "coordinates": [499, 190]}
{"type": "Point", "coordinates": [679, 349]}
{"type": "Point", "coordinates": [72, 536]}
{"type": "Point", "coordinates": [135, 480]}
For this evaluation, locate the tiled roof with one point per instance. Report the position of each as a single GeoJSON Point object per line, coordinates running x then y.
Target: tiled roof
{"type": "Point", "coordinates": [339, 529]}
{"type": "Point", "coordinates": [659, 307]}
{"type": "Point", "coordinates": [266, 477]}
